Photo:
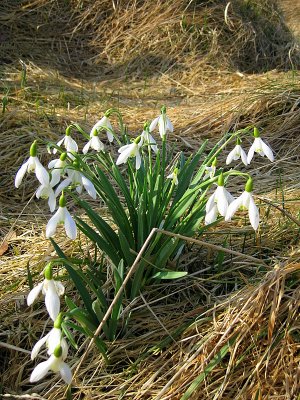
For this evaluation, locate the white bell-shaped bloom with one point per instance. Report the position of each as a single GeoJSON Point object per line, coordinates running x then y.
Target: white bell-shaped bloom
{"type": "Point", "coordinates": [57, 167]}
{"type": "Point", "coordinates": [62, 215]}
{"type": "Point", "coordinates": [163, 122]}
{"type": "Point", "coordinates": [174, 176]}
{"type": "Point", "coordinates": [79, 181]}
{"type": "Point", "coordinates": [149, 140]}
{"type": "Point", "coordinates": [95, 143]}
{"type": "Point", "coordinates": [244, 201]}
{"type": "Point", "coordinates": [69, 144]}
{"type": "Point", "coordinates": [47, 192]}
{"type": "Point", "coordinates": [56, 364]}
{"type": "Point", "coordinates": [32, 165]}
{"type": "Point", "coordinates": [53, 339]}
{"type": "Point", "coordinates": [103, 123]}
{"type": "Point", "coordinates": [130, 150]}
{"type": "Point", "coordinates": [52, 290]}
{"type": "Point", "coordinates": [237, 153]}
{"type": "Point", "coordinates": [218, 202]}
{"type": "Point", "coordinates": [210, 172]}
{"type": "Point", "coordinates": [260, 147]}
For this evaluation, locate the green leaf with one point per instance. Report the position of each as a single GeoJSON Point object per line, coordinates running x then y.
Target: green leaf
{"type": "Point", "coordinates": [168, 274]}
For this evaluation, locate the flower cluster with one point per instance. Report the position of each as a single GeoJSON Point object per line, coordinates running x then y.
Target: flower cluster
{"type": "Point", "coordinates": [54, 340]}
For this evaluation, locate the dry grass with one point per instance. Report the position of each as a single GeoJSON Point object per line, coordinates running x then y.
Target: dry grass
{"type": "Point", "coordinates": [84, 57]}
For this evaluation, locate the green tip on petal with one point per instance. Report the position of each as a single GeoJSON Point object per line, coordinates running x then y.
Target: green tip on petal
{"type": "Point", "coordinates": [48, 274]}
{"type": "Point", "coordinates": [163, 109]}
{"type": "Point", "coordinates": [62, 200]}
{"type": "Point", "coordinates": [256, 133]}
{"type": "Point", "coordinates": [58, 351]}
{"type": "Point", "coordinates": [75, 164]}
{"type": "Point", "coordinates": [95, 132]}
{"type": "Point", "coordinates": [137, 140]}
{"type": "Point", "coordinates": [146, 126]}
{"type": "Point", "coordinates": [249, 185]}
{"type": "Point", "coordinates": [63, 156]}
{"type": "Point", "coordinates": [58, 321]}
{"type": "Point", "coordinates": [221, 179]}
{"type": "Point", "coordinates": [68, 130]}
{"type": "Point", "coordinates": [33, 149]}
{"type": "Point", "coordinates": [238, 140]}
{"type": "Point", "coordinates": [214, 162]}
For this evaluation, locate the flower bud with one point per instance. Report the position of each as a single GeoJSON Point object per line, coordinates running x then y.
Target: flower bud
{"type": "Point", "coordinates": [33, 149]}
{"type": "Point", "coordinates": [214, 162]}
{"type": "Point", "coordinates": [249, 185]}
{"type": "Point", "coordinates": [62, 200]}
{"type": "Point", "coordinates": [68, 130]}
{"type": "Point", "coordinates": [256, 133]}
{"type": "Point", "coordinates": [58, 321]}
{"type": "Point", "coordinates": [63, 156]}
{"type": "Point", "coordinates": [221, 179]}
{"type": "Point", "coordinates": [48, 273]}
{"type": "Point", "coordinates": [58, 351]}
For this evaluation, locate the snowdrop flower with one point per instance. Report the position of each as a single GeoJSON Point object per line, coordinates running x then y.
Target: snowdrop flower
{"type": "Point", "coordinates": [131, 150]}
{"type": "Point", "coordinates": [78, 180]}
{"type": "Point", "coordinates": [148, 139]}
{"type": "Point", "coordinates": [53, 339]}
{"type": "Point", "coordinates": [163, 122]}
{"type": "Point", "coordinates": [95, 143]}
{"type": "Point", "coordinates": [51, 289]}
{"type": "Point", "coordinates": [56, 364]}
{"type": "Point", "coordinates": [32, 165]}
{"type": "Point", "coordinates": [260, 147]}
{"type": "Point", "coordinates": [105, 124]}
{"type": "Point", "coordinates": [57, 166]}
{"type": "Point", "coordinates": [245, 201]}
{"type": "Point", "coordinates": [237, 153]}
{"type": "Point", "coordinates": [47, 192]}
{"type": "Point", "coordinates": [68, 142]}
{"type": "Point", "coordinates": [62, 215]}
{"type": "Point", "coordinates": [210, 171]}
{"type": "Point", "coordinates": [218, 202]}
{"type": "Point", "coordinates": [174, 176]}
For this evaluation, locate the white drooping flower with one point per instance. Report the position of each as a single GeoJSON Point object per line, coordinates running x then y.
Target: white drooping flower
{"type": "Point", "coordinates": [260, 147]}
{"type": "Point", "coordinates": [131, 150]}
{"type": "Point", "coordinates": [53, 339]}
{"type": "Point", "coordinates": [79, 181]}
{"type": "Point", "coordinates": [32, 165]}
{"type": "Point", "coordinates": [149, 140]}
{"type": "Point", "coordinates": [95, 143]}
{"type": "Point", "coordinates": [218, 202]}
{"type": "Point", "coordinates": [237, 153]}
{"type": "Point", "coordinates": [62, 215]}
{"type": "Point", "coordinates": [55, 363]}
{"type": "Point", "coordinates": [103, 123]}
{"type": "Point", "coordinates": [67, 142]}
{"type": "Point", "coordinates": [210, 171]}
{"type": "Point", "coordinates": [163, 122]}
{"type": "Point", "coordinates": [51, 289]}
{"type": "Point", "coordinates": [47, 192]}
{"type": "Point", "coordinates": [57, 167]}
{"type": "Point", "coordinates": [174, 176]}
{"type": "Point", "coordinates": [245, 201]}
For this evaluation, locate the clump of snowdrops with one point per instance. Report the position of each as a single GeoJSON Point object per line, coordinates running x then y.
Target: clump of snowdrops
{"type": "Point", "coordinates": [144, 187]}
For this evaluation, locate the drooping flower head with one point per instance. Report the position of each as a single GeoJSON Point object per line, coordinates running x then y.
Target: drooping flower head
{"type": "Point", "coordinates": [32, 165]}
{"type": "Point", "coordinates": [259, 147]}
{"type": "Point", "coordinates": [51, 289]}
{"type": "Point", "coordinates": [67, 142]}
{"type": "Point", "coordinates": [94, 142]}
{"type": "Point", "coordinates": [131, 150]}
{"type": "Point", "coordinates": [57, 167]}
{"type": "Point", "coordinates": [148, 139]}
{"type": "Point", "coordinates": [104, 123]}
{"type": "Point", "coordinates": [62, 215]}
{"type": "Point", "coordinates": [245, 201]}
{"type": "Point", "coordinates": [163, 122]}
{"type": "Point", "coordinates": [174, 176]}
{"type": "Point", "coordinates": [237, 153]}
{"type": "Point", "coordinates": [55, 364]}
{"type": "Point", "coordinates": [210, 170]}
{"type": "Point", "coordinates": [218, 202]}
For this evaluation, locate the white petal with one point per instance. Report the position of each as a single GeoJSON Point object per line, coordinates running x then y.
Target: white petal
{"type": "Point", "coordinates": [89, 187]}
{"type": "Point", "coordinates": [230, 157]}
{"type": "Point", "coordinates": [54, 340]}
{"type": "Point", "coordinates": [138, 160]}
{"type": "Point", "coordinates": [232, 208]}
{"type": "Point", "coordinates": [244, 157]}
{"type": "Point", "coordinates": [36, 348]}
{"type": "Point", "coordinates": [86, 147]}
{"type": "Point", "coordinates": [211, 216]}
{"type": "Point", "coordinates": [162, 126]}
{"type": "Point", "coordinates": [210, 202]}
{"type": "Point", "coordinates": [97, 144]}
{"type": "Point", "coordinates": [70, 226]}
{"type": "Point", "coordinates": [41, 173]}
{"type": "Point", "coordinates": [169, 125]}
{"type": "Point", "coordinates": [20, 174]}
{"type": "Point", "coordinates": [41, 370]}
{"type": "Point", "coordinates": [267, 150]}
{"type": "Point", "coordinates": [125, 154]}
{"type": "Point", "coordinates": [65, 183]}
{"type": "Point", "coordinates": [33, 294]}
{"type": "Point", "coordinates": [65, 372]}
{"type": "Point", "coordinates": [52, 301]}
{"type": "Point", "coordinates": [253, 214]}
{"type": "Point", "coordinates": [251, 153]}
{"type": "Point", "coordinates": [52, 223]}
{"type": "Point", "coordinates": [58, 144]}
{"type": "Point", "coordinates": [52, 201]}
{"type": "Point", "coordinates": [52, 163]}
{"type": "Point", "coordinates": [60, 289]}
{"type": "Point", "coordinates": [222, 203]}
{"type": "Point", "coordinates": [153, 124]}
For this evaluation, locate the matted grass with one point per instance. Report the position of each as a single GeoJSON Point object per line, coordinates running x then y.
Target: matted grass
{"type": "Point", "coordinates": [230, 330]}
